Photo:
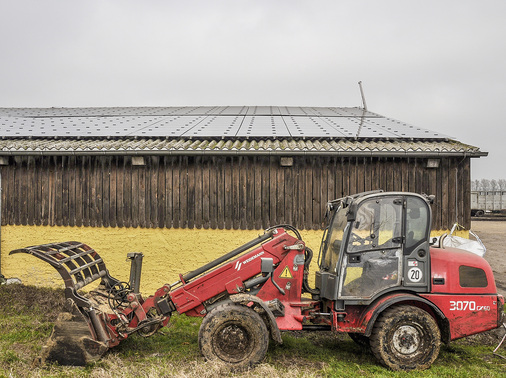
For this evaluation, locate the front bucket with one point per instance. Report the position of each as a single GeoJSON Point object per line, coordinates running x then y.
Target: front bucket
{"type": "Point", "coordinates": [71, 342]}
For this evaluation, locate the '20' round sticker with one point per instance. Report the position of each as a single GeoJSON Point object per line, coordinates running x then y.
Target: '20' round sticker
{"type": "Point", "coordinates": [415, 274]}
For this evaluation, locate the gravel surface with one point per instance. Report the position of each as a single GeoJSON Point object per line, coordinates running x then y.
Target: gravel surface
{"type": "Point", "coordinates": [493, 236]}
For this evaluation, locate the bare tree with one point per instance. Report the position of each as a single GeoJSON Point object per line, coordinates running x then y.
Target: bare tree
{"type": "Point", "coordinates": [485, 184]}
{"type": "Point", "coordinates": [493, 184]}
{"type": "Point", "coordinates": [502, 184]}
{"type": "Point", "coordinates": [475, 184]}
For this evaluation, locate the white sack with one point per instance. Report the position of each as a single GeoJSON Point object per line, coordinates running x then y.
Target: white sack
{"type": "Point", "coordinates": [474, 246]}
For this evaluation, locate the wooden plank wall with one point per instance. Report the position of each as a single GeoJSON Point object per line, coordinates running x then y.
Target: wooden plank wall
{"type": "Point", "coordinates": [241, 192]}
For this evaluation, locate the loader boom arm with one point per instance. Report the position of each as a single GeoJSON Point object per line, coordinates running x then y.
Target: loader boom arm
{"type": "Point", "coordinates": [234, 276]}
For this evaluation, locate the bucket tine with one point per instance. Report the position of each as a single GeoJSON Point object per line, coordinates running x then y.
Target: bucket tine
{"type": "Point", "coordinates": [77, 263]}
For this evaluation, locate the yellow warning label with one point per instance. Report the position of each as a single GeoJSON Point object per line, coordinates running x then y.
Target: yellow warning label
{"type": "Point", "coordinates": [286, 273]}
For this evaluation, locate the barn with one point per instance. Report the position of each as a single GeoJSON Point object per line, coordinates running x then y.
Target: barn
{"type": "Point", "coordinates": [186, 184]}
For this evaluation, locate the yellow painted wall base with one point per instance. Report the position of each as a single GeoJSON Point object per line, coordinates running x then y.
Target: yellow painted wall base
{"type": "Point", "coordinates": [167, 252]}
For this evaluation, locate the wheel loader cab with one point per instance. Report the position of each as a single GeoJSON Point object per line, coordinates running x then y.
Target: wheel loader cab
{"type": "Point", "coordinates": [373, 241]}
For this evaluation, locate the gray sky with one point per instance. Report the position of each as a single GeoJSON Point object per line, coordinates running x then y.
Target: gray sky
{"type": "Point", "coordinates": [435, 64]}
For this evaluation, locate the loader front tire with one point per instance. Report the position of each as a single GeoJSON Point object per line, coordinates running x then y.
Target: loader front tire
{"type": "Point", "coordinates": [234, 334]}
{"type": "Point", "coordinates": [406, 338]}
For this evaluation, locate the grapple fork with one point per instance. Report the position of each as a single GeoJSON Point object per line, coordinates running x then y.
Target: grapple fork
{"type": "Point", "coordinates": [77, 263]}
{"type": "Point", "coordinates": [80, 334]}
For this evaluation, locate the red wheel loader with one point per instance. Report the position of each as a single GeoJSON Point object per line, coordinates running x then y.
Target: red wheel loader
{"type": "Point", "coordinates": [381, 279]}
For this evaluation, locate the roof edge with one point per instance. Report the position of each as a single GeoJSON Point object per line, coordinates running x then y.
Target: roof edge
{"type": "Point", "coordinates": [427, 154]}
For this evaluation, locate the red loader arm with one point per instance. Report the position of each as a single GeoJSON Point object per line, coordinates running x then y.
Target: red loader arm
{"type": "Point", "coordinates": [243, 274]}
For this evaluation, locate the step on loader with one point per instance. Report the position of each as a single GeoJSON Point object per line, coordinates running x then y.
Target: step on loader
{"type": "Point", "coordinates": [381, 279]}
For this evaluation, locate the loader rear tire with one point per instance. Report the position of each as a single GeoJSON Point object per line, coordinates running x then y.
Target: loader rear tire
{"type": "Point", "coordinates": [234, 334]}
{"type": "Point", "coordinates": [406, 338]}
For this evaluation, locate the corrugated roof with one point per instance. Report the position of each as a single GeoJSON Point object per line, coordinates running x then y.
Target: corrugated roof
{"type": "Point", "coordinates": [217, 130]}
{"type": "Point", "coordinates": [163, 146]}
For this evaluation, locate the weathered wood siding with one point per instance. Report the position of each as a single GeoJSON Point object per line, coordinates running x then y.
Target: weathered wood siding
{"type": "Point", "coordinates": [240, 192]}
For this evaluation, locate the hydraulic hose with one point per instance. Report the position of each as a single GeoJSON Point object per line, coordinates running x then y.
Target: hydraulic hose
{"type": "Point", "coordinates": [305, 284]}
{"type": "Point", "coordinates": [286, 227]}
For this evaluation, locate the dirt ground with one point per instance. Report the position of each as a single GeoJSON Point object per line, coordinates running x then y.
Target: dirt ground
{"type": "Point", "coordinates": [493, 234]}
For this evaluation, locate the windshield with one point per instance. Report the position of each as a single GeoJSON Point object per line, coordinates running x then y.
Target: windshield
{"type": "Point", "coordinates": [334, 240]}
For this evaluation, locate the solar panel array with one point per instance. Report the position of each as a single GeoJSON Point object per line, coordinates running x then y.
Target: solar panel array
{"type": "Point", "coordinates": [205, 122]}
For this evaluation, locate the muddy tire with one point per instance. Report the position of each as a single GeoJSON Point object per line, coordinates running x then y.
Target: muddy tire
{"type": "Point", "coordinates": [406, 338]}
{"type": "Point", "coordinates": [234, 334]}
{"type": "Point", "coordinates": [360, 339]}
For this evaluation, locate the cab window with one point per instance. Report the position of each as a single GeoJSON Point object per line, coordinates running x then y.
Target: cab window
{"type": "Point", "coordinates": [377, 225]}
{"type": "Point", "coordinates": [417, 222]}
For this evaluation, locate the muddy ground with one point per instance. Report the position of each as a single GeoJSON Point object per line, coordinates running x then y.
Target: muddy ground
{"type": "Point", "coordinates": [493, 235]}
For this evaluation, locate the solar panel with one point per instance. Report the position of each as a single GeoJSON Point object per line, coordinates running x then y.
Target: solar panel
{"type": "Point", "coordinates": [206, 122]}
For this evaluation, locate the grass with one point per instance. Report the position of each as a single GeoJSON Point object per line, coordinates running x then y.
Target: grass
{"type": "Point", "coordinates": [26, 315]}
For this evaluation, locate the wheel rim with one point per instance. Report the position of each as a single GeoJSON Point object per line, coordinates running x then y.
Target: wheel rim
{"type": "Point", "coordinates": [232, 342]}
{"type": "Point", "coordinates": [406, 339]}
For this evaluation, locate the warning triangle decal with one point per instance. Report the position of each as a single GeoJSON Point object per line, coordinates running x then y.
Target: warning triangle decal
{"type": "Point", "coordinates": [286, 273]}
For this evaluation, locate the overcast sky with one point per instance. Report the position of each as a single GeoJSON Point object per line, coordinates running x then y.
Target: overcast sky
{"type": "Point", "coordinates": [434, 64]}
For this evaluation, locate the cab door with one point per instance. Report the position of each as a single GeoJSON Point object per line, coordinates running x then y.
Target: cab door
{"type": "Point", "coordinates": [373, 258]}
